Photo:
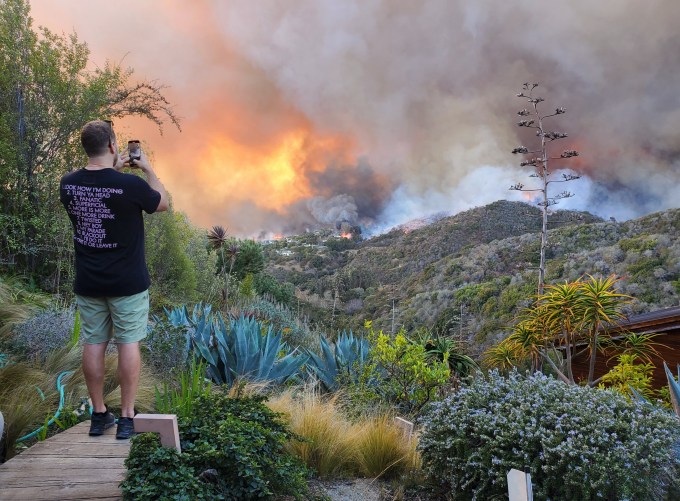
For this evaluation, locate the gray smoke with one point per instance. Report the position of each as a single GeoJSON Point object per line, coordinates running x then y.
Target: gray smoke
{"type": "Point", "coordinates": [333, 210]}
{"type": "Point", "coordinates": [427, 91]}
{"type": "Point", "coordinates": [423, 92]}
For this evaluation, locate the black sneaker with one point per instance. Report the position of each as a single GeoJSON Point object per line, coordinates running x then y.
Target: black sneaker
{"type": "Point", "coordinates": [126, 428]}
{"type": "Point", "coordinates": [101, 421]}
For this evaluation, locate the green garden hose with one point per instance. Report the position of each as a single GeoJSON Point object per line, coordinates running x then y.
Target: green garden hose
{"type": "Point", "coordinates": [60, 388]}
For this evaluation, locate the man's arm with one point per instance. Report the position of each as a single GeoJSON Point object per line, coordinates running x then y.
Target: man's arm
{"type": "Point", "coordinates": [156, 184]}
{"type": "Point", "coordinates": [151, 177]}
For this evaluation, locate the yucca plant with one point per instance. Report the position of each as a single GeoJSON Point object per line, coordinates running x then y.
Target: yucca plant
{"type": "Point", "coordinates": [345, 357]}
{"type": "Point", "coordinates": [219, 241]}
{"type": "Point", "coordinates": [436, 345]}
{"type": "Point", "coordinates": [503, 356]}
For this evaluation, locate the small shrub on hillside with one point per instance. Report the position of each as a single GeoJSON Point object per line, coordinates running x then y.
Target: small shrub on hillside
{"type": "Point", "coordinates": [44, 332]}
{"type": "Point", "coordinates": [578, 443]}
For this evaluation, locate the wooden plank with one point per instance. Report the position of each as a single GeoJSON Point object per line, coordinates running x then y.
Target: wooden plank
{"type": "Point", "coordinates": [68, 466]}
{"type": "Point", "coordinates": [52, 463]}
{"type": "Point", "coordinates": [17, 478]}
{"type": "Point", "coordinates": [78, 450]}
{"type": "Point", "coordinates": [63, 493]}
{"type": "Point", "coordinates": [25, 463]}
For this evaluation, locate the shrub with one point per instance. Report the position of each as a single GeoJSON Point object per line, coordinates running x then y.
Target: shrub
{"type": "Point", "coordinates": [155, 472]}
{"type": "Point", "coordinates": [244, 441]}
{"type": "Point", "coordinates": [629, 375]}
{"type": "Point", "coordinates": [165, 348]}
{"type": "Point", "coordinates": [410, 379]}
{"type": "Point", "coordinates": [232, 448]}
{"type": "Point", "coordinates": [44, 332]}
{"type": "Point", "coordinates": [578, 443]}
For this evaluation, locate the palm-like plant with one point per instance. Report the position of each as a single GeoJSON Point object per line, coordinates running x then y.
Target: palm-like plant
{"type": "Point", "coordinates": [437, 345]}
{"type": "Point", "coordinates": [504, 356]}
{"type": "Point", "coordinates": [563, 316]}
{"type": "Point", "coordinates": [601, 306]}
{"type": "Point", "coordinates": [219, 241]}
{"type": "Point", "coordinates": [641, 345]}
{"type": "Point", "coordinates": [557, 311]}
{"type": "Point", "coordinates": [530, 339]}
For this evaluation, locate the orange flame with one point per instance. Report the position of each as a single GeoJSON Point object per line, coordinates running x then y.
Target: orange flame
{"type": "Point", "coordinates": [273, 175]}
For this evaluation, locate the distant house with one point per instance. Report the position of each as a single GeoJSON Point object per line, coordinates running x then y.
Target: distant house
{"type": "Point", "coordinates": [665, 323]}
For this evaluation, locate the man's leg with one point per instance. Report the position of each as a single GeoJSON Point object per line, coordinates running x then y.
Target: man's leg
{"type": "Point", "coordinates": [93, 368]}
{"type": "Point", "coordinates": [129, 366]}
{"type": "Point", "coordinates": [95, 332]}
{"type": "Point", "coordinates": [130, 316]}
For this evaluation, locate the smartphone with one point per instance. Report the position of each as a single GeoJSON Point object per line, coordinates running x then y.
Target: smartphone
{"type": "Point", "coordinates": [134, 149]}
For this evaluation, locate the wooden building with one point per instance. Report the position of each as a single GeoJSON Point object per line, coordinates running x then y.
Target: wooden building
{"type": "Point", "coordinates": [665, 323]}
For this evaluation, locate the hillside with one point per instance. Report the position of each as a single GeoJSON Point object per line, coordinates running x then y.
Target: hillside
{"type": "Point", "coordinates": [482, 260]}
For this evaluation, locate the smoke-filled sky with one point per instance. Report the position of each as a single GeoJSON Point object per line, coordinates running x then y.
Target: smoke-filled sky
{"type": "Point", "coordinates": [300, 113]}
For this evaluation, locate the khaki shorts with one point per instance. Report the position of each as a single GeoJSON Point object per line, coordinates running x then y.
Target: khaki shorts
{"type": "Point", "coordinates": [123, 319]}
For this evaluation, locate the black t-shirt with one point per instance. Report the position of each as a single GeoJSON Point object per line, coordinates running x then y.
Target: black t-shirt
{"type": "Point", "coordinates": [105, 208]}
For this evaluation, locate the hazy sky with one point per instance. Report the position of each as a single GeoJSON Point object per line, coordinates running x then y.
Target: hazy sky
{"type": "Point", "coordinates": [302, 113]}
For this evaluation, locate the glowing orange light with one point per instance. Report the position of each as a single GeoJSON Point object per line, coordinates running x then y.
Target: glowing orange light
{"type": "Point", "coordinates": [272, 175]}
{"type": "Point", "coordinates": [347, 235]}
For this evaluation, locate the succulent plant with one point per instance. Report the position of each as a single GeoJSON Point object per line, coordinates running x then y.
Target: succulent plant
{"type": "Point", "coordinates": [346, 355]}
{"type": "Point", "coordinates": [674, 387]}
{"type": "Point", "coordinates": [243, 348]}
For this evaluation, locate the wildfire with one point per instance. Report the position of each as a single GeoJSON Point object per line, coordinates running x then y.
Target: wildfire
{"type": "Point", "coordinates": [272, 175]}
{"type": "Point", "coordinates": [347, 235]}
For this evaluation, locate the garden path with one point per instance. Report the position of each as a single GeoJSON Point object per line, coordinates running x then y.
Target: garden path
{"type": "Point", "coordinates": [68, 466]}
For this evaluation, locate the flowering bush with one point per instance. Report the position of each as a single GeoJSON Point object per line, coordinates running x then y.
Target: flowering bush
{"type": "Point", "coordinates": [578, 443]}
{"type": "Point", "coordinates": [44, 332]}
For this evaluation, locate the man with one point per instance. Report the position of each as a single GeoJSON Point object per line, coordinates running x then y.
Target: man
{"type": "Point", "coordinates": [105, 207]}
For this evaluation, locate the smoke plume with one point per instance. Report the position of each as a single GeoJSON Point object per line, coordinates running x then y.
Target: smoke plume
{"type": "Point", "coordinates": [308, 112]}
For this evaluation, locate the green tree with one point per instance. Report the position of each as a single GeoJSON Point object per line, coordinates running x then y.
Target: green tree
{"type": "Point", "coordinates": [47, 92]}
{"type": "Point", "coordinates": [172, 272]}
{"type": "Point", "coordinates": [249, 259]}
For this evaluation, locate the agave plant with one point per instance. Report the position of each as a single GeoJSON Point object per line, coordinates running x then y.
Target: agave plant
{"type": "Point", "coordinates": [674, 387]}
{"type": "Point", "coordinates": [244, 349]}
{"type": "Point", "coordinates": [346, 356]}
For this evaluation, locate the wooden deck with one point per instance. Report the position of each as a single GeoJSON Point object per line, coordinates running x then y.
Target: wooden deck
{"type": "Point", "coordinates": [68, 466]}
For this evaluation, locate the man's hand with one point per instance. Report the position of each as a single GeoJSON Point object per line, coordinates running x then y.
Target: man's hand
{"type": "Point", "coordinates": [142, 163]}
